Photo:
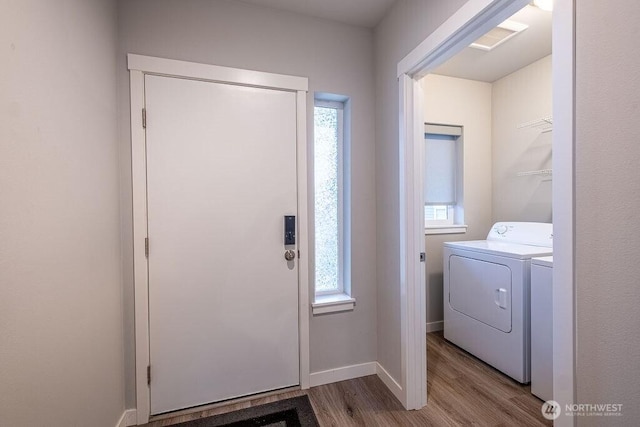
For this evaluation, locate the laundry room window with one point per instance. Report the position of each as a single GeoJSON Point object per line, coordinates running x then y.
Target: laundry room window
{"type": "Point", "coordinates": [443, 190]}
{"type": "Point", "coordinates": [331, 203]}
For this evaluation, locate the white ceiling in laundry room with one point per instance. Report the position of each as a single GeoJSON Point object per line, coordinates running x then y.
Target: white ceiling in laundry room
{"type": "Point", "coordinates": [521, 50]}
{"type": "Point", "coordinates": [363, 13]}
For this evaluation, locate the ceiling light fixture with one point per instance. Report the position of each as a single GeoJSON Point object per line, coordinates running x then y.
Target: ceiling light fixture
{"type": "Point", "coordinates": [498, 35]}
{"type": "Point", "coordinates": [544, 4]}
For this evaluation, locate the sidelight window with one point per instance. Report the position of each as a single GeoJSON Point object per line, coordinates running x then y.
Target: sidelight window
{"type": "Point", "coordinates": [331, 204]}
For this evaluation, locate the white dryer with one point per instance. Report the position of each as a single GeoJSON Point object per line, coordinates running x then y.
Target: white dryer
{"type": "Point", "coordinates": [487, 294]}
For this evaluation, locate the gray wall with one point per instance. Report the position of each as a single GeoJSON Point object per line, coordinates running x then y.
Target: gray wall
{"type": "Point", "coordinates": [521, 97]}
{"type": "Point", "coordinates": [607, 205]}
{"type": "Point", "coordinates": [61, 360]}
{"type": "Point", "coordinates": [406, 24]}
{"type": "Point", "coordinates": [467, 103]}
{"type": "Point", "coordinates": [337, 58]}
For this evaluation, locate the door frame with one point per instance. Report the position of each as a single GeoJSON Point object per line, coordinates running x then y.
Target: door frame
{"type": "Point", "coordinates": [472, 20]}
{"type": "Point", "coordinates": [139, 66]}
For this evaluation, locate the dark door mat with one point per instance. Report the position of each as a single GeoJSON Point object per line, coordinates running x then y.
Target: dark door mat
{"type": "Point", "coordinates": [294, 412]}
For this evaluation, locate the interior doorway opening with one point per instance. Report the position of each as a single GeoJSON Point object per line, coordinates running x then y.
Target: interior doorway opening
{"type": "Point", "coordinates": [498, 92]}
{"type": "Point", "coordinates": [472, 21]}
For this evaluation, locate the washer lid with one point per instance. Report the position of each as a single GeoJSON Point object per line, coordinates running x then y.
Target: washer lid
{"type": "Point", "coordinates": [511, 250]}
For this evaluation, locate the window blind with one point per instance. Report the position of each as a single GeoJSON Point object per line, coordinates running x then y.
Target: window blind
{"type": "Point", "coordinates": [440, 164]}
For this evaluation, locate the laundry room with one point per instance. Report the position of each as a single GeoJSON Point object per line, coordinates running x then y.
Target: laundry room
{"type": "Point", "coordinates": [491, 105]}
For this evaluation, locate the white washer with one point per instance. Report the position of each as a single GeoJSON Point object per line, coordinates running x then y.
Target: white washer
{"type": "Point", "coordinates": [486, 294]}
{"type": "Point", "coordinates": [542, 327]}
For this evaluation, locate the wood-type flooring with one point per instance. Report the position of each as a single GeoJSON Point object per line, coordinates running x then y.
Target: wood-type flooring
{"type": "Point", "coordinates": [462, 391]}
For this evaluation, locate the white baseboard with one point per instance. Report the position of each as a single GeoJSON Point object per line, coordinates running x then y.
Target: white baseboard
{"type": "Point", "coordinates": [391, 384]}
{"type": "Point", "coordinates": [435, 326]}
{"type": "Point", "coordinates": [128, 418]}
{"type": "Point", "coordinates": [342, 374]}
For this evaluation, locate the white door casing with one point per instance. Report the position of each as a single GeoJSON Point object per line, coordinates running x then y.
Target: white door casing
{"type": "Point", "coordinates": [288, 90]}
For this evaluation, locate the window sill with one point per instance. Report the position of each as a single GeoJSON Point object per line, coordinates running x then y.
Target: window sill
{"type": "Point", "coordinates": [445, 229]}
{"type": "Point", "coordinates": [332, 303]}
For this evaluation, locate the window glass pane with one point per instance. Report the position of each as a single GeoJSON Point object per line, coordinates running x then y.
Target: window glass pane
{"type": "Point", "coordinates": [441, 212]}
{"type": "Point", "coordinates": [326, 198]}
{"type": "Point", "coordinates": [436, 212]}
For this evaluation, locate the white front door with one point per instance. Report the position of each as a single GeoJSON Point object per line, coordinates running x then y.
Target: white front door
{"type": "Point", "coordinates": [223, 301]}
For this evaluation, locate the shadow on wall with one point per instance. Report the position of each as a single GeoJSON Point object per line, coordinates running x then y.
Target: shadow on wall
{"type": "Point", "coordinates": [435, 283]}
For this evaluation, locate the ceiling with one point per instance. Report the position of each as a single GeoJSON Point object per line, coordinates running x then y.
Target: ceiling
{"type": "Point", "coordinates": [524, 48]}
{"type": "Point", "coordinates": [363, 13]}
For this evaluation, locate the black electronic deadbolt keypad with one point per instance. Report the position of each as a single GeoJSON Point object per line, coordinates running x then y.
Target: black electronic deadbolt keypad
{"type": "Point", "coordinates": [289, 230]}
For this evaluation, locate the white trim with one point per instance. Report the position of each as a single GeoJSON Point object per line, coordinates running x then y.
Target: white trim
{"type": "Point", "coordinates": [138, 66]}
{"type": "Point", "coordinates": [334, 308]}
{"type": "Point", "coordinates": [442, 129]}
{"type": "Point", "coordinates": [435, 326]}
{"type": "Point", "coordinates": [127, 419]}
{"type": "Point", "coordinates": [391, 384]}
{"type": "Point", "coordinates": [445, 229]}
{"type": "Point", "coordinates": [563, 186]}
{"type": "Point", "coordinates": [341, 374]}
{"type": "Point", "coordinates": [324, 103]}
{"type": "Point", "coordinates": [303, 240]}
{"type": "Point", "coordinates": [184, 69]}
{"type": "Point", "coordinates": [332, 303]}
{"type": "Point", "coordinates": [141, 278]}
{"type": "Point", "coordinates": [412, 272]}
{"type": "Point", "coordinates": [473, 19]}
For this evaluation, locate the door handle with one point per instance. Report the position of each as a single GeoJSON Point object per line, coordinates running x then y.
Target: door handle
{"type": "Point", "coordinates": [501, 298]}
{"type": "Point", "coordinates": [289, 255]}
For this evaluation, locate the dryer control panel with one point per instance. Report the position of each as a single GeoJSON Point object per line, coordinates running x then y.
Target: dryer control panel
{"type": "Point", "coordinates": [524, 233]}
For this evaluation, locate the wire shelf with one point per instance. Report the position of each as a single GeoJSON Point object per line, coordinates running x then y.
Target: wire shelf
{"type": "Point", "coordinates": [544, 124]}
{"type": "Point", "coordinates": [543, 172]}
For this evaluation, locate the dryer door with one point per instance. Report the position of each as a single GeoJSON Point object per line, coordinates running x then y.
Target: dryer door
{"type": "Point", "coordinates": [481, 290]}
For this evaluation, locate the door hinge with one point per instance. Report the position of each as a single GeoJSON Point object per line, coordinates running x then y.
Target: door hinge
{"type": "Point", "coordinates": [148, 374]}
{"type": "Point", "coordinates": [146, 247]}
{"type": "Point", "coordinates": [144, 118]}
{"type": "Point", "coordinates": [423, 257]}
{"type": "Point", "coordinates": [298, 253]}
